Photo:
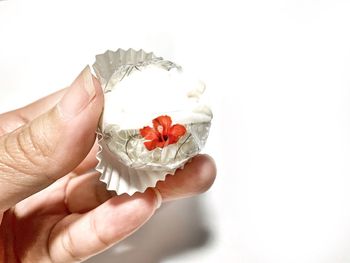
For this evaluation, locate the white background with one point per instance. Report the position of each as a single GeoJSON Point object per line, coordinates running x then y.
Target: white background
{"type": "Point", "coordinates": [278, 73]}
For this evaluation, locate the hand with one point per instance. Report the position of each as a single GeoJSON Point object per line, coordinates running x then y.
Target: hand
{"type": "Point", "coordinates": [53, 208]}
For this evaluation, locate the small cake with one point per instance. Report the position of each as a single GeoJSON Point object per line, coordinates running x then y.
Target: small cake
{"type": "Point", "coordinates": [153, 120]}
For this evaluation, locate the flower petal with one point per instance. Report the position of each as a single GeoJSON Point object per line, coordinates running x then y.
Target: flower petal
{"type": "Point", "coordinates": [163, 121]}
{"type": "Point", "coordinates": [175, 132]}
{"type": "Point", "coordinates": [163, 134]}
{"type": "Point", "coordinates": [149, 133]}
{"type": "Point", "coordinates": [151, 145]}
{"type": "Point", "coordinates": [161, 144]}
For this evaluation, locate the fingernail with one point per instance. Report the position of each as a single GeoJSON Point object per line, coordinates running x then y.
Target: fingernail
{"type": "Point", "coordinates": [78, 96]}
{"type": "Point", "coordinates": [159, 197]}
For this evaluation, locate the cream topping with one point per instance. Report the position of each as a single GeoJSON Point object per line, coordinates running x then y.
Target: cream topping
{"type": "Point", "coordinates": [154, 91]}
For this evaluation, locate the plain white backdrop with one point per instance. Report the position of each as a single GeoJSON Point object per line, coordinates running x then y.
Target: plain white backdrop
{"type": "Point", "coordinates": [278, 73]}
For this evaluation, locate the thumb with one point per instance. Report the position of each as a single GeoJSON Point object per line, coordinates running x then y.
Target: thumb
{"type": "Point", "coordinates": [53, 144]}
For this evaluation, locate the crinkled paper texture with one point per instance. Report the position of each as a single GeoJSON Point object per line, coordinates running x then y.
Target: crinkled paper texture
{"type": "Point", "coordinates": [126, 166]}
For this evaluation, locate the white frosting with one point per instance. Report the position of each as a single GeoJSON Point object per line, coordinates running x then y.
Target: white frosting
{"type": "Point", "coordinates": [147, 94]}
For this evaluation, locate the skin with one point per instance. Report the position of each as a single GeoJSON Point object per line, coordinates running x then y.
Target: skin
{"type": "Point", "coordinates": [52, 206]}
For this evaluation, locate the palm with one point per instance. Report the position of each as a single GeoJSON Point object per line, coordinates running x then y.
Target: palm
{"type": "Point", "coordinates": [30, 223]}
{"type": "Point", "coordinates": [34, 223]}
{"type": "Point", "coordinates": [47, 226]}
{"type": "Point", "coordinates": [76, 217]}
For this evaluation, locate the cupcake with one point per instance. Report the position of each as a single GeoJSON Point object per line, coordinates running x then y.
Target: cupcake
{"type": "Point", "coordinates": [153, 121]}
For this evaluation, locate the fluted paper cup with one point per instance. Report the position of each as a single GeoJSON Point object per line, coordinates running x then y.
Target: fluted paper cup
{"type": "Point", "coordinates": [153, 120]}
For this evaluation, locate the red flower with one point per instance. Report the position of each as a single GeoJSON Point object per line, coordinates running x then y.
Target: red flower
{"type": "Point", "coordinates": [162, 133]}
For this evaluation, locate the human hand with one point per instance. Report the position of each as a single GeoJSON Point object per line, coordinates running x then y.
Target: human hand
{"type": "Point", "coordinates": [53, 208]}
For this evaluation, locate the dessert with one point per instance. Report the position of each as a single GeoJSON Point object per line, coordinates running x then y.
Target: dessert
{"type": "Point", "coordinates": [153, 121]}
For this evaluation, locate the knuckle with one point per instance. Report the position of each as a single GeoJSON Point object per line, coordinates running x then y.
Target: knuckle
{"type": "Point", "coordinates": [2, 130]}
{"type": "Point", "coordinates": [99, 237]}
{"type": "Point", "coordinates": [11, 121]}
{"type": "Point", "coordinates": [10, 159]}
{"type": "Point", "coordinates": [21, 119]}
{"type": "Point", "coordinates": [38, 141]}
{"type": "Point", "coordinates": [25, 151]}
{"type": "Point", "coordinates": [68, 245]}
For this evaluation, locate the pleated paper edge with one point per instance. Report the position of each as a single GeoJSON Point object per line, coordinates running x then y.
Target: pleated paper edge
{"type": "Point", "coordinates": [126, 181]}
{"type": "Point", "coordinates": [114, 175]}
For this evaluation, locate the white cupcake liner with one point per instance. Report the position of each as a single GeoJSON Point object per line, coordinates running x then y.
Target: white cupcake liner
{"type": "Point", "coordinates": [112, 66]}
{"type": "Point", "coordinates": [117, 172]}
{"type": "Point", "coordinates": [123, 179]}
